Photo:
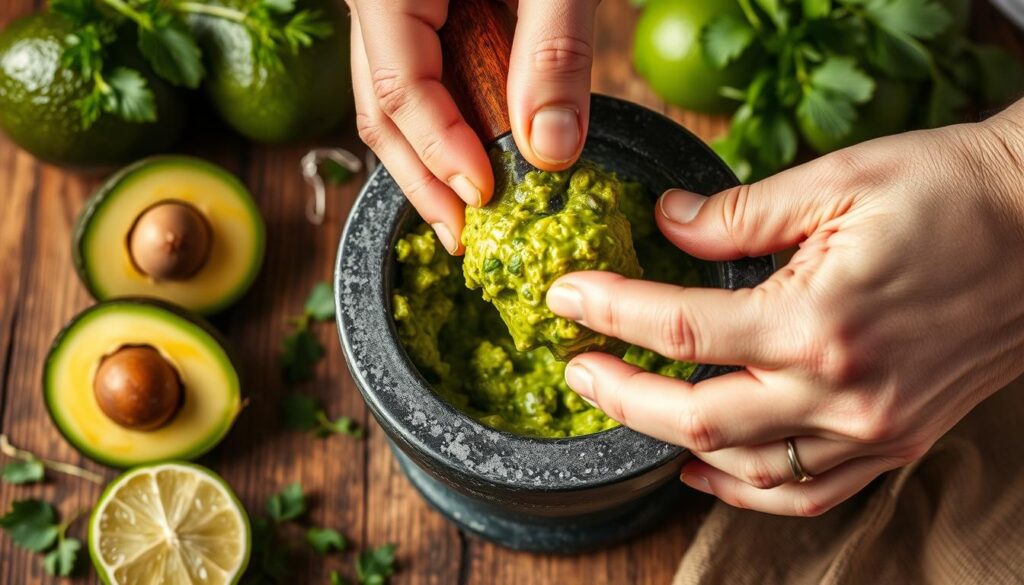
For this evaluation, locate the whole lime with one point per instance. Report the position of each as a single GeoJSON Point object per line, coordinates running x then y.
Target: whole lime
{"type": "Point", "coordinates": [303, 94]}
{"type": "Point", "coordinates": [39, 96]}
{"type": "Point", "coordinates": [888, 112]}
{"type": "Point", "coordinates": [667, 51]}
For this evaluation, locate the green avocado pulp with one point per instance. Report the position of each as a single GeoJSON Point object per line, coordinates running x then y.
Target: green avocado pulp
{"type": "Point", "coordinates": [460, 343]}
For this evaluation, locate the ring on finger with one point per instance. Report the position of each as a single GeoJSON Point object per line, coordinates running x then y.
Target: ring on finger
{"type": "Point", "coordinates": [799, 475]}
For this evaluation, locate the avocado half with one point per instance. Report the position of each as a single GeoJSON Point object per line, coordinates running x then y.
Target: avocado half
{"type": "Point", "coordinates": [211, 390]}
{"type": "Point", "coordinates": [101, 238]}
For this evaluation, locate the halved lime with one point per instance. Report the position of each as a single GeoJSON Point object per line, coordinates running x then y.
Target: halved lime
{"type": "Point", "coordinates": [169, 523]}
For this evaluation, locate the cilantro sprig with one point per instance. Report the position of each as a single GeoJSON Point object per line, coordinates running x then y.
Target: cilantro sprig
{"type": "Point", "coordinates": [168, 45]}
{"type": "Point", "coordinates": [30, 468]}
{"type": "Point", "coordinates": [32, 524]}
{"type": "Point", "coordinates": [301, 350]}
{"type": "Point", "coordinates": [821, 60]}
{"type": "Point", "coordinates": [301, 412]}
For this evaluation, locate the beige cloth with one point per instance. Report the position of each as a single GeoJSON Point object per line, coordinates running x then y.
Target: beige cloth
{"type": "Point", "coordinates": [955, 516]}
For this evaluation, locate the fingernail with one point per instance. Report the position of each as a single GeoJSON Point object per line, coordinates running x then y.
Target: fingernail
{"type": "Point", "coordinates": [680, 206]}
{"type": "Point", "coordinates": [697, 482]}
{"type": "Point", "coordinates": [565, 301]}
{"type": "Point", "coordinates": [579, 378]}
{"type": "Point", "coordinates": [466, 190]}
{"type": "Point", "coordinates": [445, 236]}
{"type": "Point", "coordinates": [555, 134]}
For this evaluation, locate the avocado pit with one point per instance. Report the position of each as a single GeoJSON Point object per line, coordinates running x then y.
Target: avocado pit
{"type": "Point", "coordinates": [137, 388]}
{"type": "Point", "coordinates": [170, 241]}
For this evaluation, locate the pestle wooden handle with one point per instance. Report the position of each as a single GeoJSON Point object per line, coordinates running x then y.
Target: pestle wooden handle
{"type": "Point", "coordinates": [476, 42]}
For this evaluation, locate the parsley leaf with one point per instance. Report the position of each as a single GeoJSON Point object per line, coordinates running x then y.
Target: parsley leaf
{"type": "Point", "coordinates": [921, 19]}
{"type": "Point", "coordinates": [61, 560]}
{"type": "Point", "coordinates": [832, 116]}
{"type": "Point", "coordinates": [21, 472]}
{"type": "Point", "coordinates": [320, 303]}
{"type": "Point", "coordinates": [776, 135]}
{"type": "Point", "coordinates": [172, 52]}
{"type": "Point", "coordinates": [301, 351]}
{"type": "Point", "coordinates": [31, 524]}
{"type": "Point", "coordinates": [129, 97]}
{"type": "Point", "coordinates": [841, 76]}
{"type": "Point", "coordinates": [325, 540]}
{"type": "Point", "coordinates": [288, 504]}
{"type": "Point", "coordinates": [725, 38]}
{"type": "Point", "coordinates": [374, 566]}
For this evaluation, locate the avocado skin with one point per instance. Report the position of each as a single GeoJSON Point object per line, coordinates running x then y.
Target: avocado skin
{"type": "Point", "coordinates": [309, 96]}
{"type": "Point", "coordinates": [38, 95]}
{"type": "Point", "coordinates": [200, 322]}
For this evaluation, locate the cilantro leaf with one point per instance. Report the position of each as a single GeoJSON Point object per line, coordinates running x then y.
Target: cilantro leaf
{"type": "Point", "coordinates": [899, 56]}
{"type": "Point", "coordinates": [944, 103]}
{"type": "Point", "coordinates": [84, 48]}
{"type": "Point", "coordinates": [840, 75]}
{"type": "Point", "coordinates": [320, 303]}
{"type": "Point", "coordinates": [301, 351]}
{"type": "Point", "coordinates": [21, 472]}
{"type": "Point", "coordinates": [61, 560]}
{"type": "Point", "coordinates": [325, 540]}
{"type": "Point", "coordinates": [834, 117]}
{"type": "Point", "coordinates": [77, 11]}
{"type": "Point", "coordinates": [374, 566]}
{"type": "Point", "coordinates": [725, 38]}
{"type": "Point", "coordinates": [129, 97]}
{"type": "Point", "coordinates": [817, 9]}
{"type": "Point", "coordinates": [298, 411]}
{"type": "Point", "coordinates": [270, 560]}
{"type": "Point", "coordinates": [305, 26]}
{"type": "Point", "coordinates": [777, 137]}
{"type": "Point", "coordinates": [921, 19]}
{"type": "Point", "coordinates": [173, 53]}
{"type": "Point", "coordinates": [288, 504]}
{"type": "Point", "coordinates": [31, 524]}
{"type": "Point", "coordinates": [342, 425]}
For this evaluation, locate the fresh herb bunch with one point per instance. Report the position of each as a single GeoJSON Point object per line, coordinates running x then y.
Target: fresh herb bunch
{"type": "Point", "coordinates": [168, 45]}
{"type": "Point", "coordinates": [824, 58]}
{"type": "Point", "coordinates": [32, 524]}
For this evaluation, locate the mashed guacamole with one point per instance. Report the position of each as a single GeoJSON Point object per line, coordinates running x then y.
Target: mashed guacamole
{"type": "Point", "coordinates": [463, 348]}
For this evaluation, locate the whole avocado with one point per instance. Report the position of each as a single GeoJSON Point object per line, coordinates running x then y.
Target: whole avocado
{"type": "Point", "coordinates": [38, 98]}
{"type": "Point", "coordinates": [308, 95]}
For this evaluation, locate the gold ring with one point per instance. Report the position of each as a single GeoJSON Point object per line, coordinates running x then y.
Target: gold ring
{"type": "Point", "coordinates": [799, 474]}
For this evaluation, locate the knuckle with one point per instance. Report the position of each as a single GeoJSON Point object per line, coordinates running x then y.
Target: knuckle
{"type": "Point", "coordinates": [759, 473]}
{"type": "Point", "coordinates": [696, 431]}
{"type": "Point", "coordinates": [873, 426]}
{"type": "Point", "coordinates": [678, 335]}
{"type": "Point", "coordinates": [370, 130]}
{"type": "Point", "coordinates": [433, 148]}
{"type": "Point", "coordinates": [563, 55]}
{"type": "Point", "coordinates": [735, 217]}
{"type": "Point", "coordinates": [610, 398]}
{"type": "Point", "coordinates": [392, 90]}
{"type": "Point", "coordinates": [415, 188]}
{"type": "Point", "coordinates": [807, 506]}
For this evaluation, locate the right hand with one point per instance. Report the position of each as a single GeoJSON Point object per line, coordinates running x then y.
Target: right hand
{"type": "Point", "coordinates": [409, 120]}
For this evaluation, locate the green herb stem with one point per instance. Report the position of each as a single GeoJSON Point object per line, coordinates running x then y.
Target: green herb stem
{"type": "Point", "coordinates": [751, 14]}
{"type": "Point", "coordinates": [127, 11]}
{"type": "Point", "coordinates": [211, 10]}
{"type": "Point", "coordinates": [11, 451]}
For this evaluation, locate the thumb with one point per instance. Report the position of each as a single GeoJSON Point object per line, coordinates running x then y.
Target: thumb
{"type": "Point", "coordinates": [549, 80]}
{"type": "Point", "coordinates": [750, 220]}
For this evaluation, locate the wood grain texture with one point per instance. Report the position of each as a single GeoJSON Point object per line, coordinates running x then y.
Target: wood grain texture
{"type": "Point", "coordinates": [356, 486]}
{"type": "Point", "coordinates": [476, 42]}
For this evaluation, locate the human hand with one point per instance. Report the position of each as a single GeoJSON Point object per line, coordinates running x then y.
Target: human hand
{"type": "Point", "coordinates": [901, 310]}
{"type": "Point", "coordinates": [410, 121]}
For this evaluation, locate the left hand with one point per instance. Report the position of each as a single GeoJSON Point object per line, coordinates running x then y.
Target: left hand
{"type": "Point", "coordinates": [902, 310]}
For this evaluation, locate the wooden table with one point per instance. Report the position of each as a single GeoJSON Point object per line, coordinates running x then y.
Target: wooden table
{"type": "Point", "coordinates": [356, 486]}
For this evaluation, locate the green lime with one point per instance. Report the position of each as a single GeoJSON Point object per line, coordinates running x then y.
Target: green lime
{"type": "Point", "coordinates": [169, 523]}
{"type": "Point", "coordinates": [667, 51]}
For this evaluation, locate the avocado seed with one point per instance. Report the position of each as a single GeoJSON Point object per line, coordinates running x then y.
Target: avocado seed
{"type": "Point", "coordinates": [170, 241]}
{"type": "Point", "coordinates": [136, 388]}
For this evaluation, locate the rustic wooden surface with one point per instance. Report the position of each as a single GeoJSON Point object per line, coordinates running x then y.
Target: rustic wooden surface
{"type": "Point", "coordinates": [356, 485]}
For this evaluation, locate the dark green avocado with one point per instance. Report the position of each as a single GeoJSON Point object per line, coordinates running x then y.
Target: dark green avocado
{"type": "Point", "coordinates": [308, 96]}
{"type": "Point", "coordinates": [38, 95]}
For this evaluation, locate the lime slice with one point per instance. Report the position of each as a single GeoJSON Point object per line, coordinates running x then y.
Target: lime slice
{"type": "Point", "coordinates": [169, 523]}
